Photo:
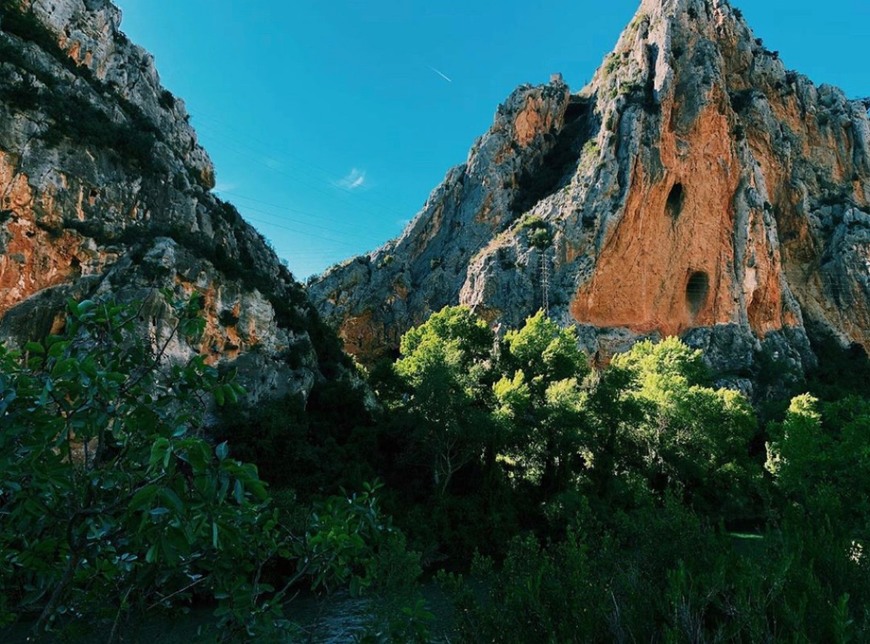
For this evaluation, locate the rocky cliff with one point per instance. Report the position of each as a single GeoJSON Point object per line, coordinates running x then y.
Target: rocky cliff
{"type": "Point", "coordinates": [695, 187]}
{"type": "Point", "coordinates": [105, 191]}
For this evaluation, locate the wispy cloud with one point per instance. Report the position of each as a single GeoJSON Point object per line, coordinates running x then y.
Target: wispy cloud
{"type": "Point", "coordinates": [354, 180]}
{"type": "Point", "coordinates": [223, 187]}
{"type": "Point", "coordinates": [441, 74]}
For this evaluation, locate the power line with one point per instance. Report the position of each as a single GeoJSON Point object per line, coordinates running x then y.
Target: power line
{"type": "Point", "coordinates": [284, 209]}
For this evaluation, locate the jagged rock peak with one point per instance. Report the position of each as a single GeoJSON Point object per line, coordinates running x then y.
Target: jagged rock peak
{"type": "Point", "coordinates": [694, 187]}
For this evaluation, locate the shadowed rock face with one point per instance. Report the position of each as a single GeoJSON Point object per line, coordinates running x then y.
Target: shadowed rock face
{"type": "Point", "coordinates": [694, 187]}
{"type": "Point", "coordinates": [105, 190]}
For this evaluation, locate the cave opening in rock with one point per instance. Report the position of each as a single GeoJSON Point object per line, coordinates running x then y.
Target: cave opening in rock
{"type": "Point", "coordinates": [540, 179]}
{"type": "Point", "coordinates": [577, 108]}
{"type": "Point", "coordinates": [697, 289]}
{"type": "Point", "coordinates": [676, 199]}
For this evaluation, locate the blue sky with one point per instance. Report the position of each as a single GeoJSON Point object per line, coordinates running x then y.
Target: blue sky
{"type": "Point", "coordinates": [330, 122]}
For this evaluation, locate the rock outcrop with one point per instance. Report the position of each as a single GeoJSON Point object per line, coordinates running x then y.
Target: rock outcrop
{"type": "Point", "coordinates": [104, 190]}
{"type": "Point", "coordinates": [695, 187]}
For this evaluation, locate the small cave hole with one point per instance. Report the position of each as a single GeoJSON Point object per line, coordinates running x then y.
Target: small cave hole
{"type": "Point", "coordinates": [676, 200]}
{"type": "Point", "coordinates": [697, 289]}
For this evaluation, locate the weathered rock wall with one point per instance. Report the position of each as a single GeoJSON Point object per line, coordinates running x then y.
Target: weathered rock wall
{"type": "Point", "coordinates": [104, 190]}
{"type": "Point", "coordinates": [695, 187]}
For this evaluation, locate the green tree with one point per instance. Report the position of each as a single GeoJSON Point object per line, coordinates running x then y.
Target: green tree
{"type": "Point", "coordinates": [111, 498]}
{"type": "Point", "coordinates": [694, 439]}
{"type": "Point", "coordinates": [446, 366]}
{"type": "Point", "coordinates": [540, 402]}
{"type": "Point", "coordinates": [544, 352]}
{"type": "Point", "coordinates": [115, 504]}
{"type": "Point", "coordinates": [820, 457]}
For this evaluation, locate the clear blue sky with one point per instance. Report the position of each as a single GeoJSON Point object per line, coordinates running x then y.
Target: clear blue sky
{"type": "Point", "coordinates": [330, 122]}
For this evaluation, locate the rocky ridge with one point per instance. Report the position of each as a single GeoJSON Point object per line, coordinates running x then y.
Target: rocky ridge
{"type": "Point", "coordinates": [104, 190]}
{"type": "Point", "coordinates": [695, 187]}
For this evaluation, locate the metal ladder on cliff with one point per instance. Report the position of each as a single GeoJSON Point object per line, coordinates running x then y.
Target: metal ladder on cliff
{"type": "Point", "coordinates": [545, 283]}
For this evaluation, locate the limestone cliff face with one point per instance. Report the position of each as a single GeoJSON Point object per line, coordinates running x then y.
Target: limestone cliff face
{"type": "Point", "coordinates": [375, 298]}
{"type": "Point", "coordinates": [105, 190]}
{"type": "Point", "coordinates": [694, 187]}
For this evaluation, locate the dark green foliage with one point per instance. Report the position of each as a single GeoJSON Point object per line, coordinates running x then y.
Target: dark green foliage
{"type": "Point", "coordinates": [115, 506]}
{"type": "Point", "coordinates": [316, 447]}
{"type": "Point", "coordinates": [603, 501]}
{"type": "Point", "coordinates": [818, 456]}
{"type": "Point", "coordinates": [662, 574]}
{"type": "Point", "coordinates": [540, 239]}
{"type": "Point", "coordinates": [841, 371]}
{"type": "Point", "coordinates": [580, 505]}
{"type": "Point", "coordinates": [107, 486]}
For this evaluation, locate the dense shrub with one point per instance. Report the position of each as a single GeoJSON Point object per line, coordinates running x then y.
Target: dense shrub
{"type": "Point", "coordinates": [115, 505]}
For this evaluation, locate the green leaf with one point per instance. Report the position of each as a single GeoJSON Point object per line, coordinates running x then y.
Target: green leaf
{"type": "Point", "coordinates": [239, 492]}
{"type": "Point", "coordinates": [222, 451]}
{"type": "Point", "coordinates": [258, 489]}
{"type": "Point", "coordinates": [158, 451]}
{"type": "Point", "coordinates": [58, 348]}
{"type": "Point", "coordinates": [142, 498]}
{"type": "Point", "coordinates": [35, 347]}
{"type": "Point", "coordinates": [172, 499]}
{"type": "Point", "coordinates": [230, 393]}
{"type": "Point", "coordinates": [219, 395]}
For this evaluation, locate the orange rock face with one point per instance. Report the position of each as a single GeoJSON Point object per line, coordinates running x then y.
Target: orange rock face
{"type": "Point", "coordinates": [360, 337]}
{"type": "Point", "coordinates": [532, 121]}
{"type": "Point", "coordinates": [33, 258]}
{"type": "Point", "coordinates": [669, 263]}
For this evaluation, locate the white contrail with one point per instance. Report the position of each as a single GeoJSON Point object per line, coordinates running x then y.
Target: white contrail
{"type": "Point", "coordinates": [441, 74]}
